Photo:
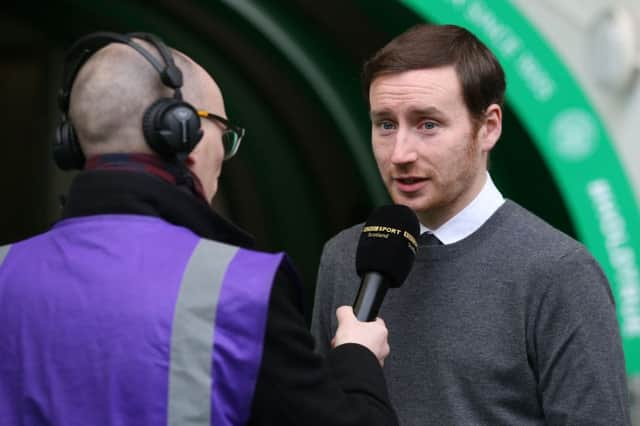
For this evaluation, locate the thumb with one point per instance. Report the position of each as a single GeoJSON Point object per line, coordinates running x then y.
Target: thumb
{"type": "Point", "coordinates": [345, 314]}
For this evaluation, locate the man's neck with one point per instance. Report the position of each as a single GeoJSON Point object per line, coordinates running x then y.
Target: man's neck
{"type": "Point", "coordinates": [434, 218]}
{"type": "Point", "coordinates": [471, 217]}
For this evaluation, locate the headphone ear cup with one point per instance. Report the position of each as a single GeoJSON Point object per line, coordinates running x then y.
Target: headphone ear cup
{"type": "Point", "coordinates": [67, 153]}
{"type": "Point", "coordinates": [149, 127]}
{"type": "Point", "coordinates": [171, 127]}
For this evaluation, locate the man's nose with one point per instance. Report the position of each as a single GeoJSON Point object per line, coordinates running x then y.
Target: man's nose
{"type": "Point", "coordinates": [404, 149]}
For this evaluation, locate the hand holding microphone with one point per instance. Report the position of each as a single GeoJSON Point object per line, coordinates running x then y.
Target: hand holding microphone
{"type": "Point", "coordinates": [373, 335]}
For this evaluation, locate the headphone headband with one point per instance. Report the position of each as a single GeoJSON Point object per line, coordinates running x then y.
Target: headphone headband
{"type": "Point", "coordinates": [84, 48]}
{"type": "Point", "coordinates": [170, 75]}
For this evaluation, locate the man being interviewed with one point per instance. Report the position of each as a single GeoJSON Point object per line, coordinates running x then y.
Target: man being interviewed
{"type": "Point", "coordinates": [144, 307]}
{"type": "Point", "coordinates": [503, 320]}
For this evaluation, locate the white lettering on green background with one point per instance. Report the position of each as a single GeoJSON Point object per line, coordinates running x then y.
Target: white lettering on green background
{"type": "Point", "coordinates": [621, 255]}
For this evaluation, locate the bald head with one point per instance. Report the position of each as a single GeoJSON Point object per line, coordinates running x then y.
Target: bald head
{"type": "Point", "coordinates": [114, 88]}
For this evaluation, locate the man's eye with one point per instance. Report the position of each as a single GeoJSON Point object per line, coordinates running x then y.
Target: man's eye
{"type": "Point", "coordinates": [430, 125]}
{"type": "Point", "coordinates": [387, 125]}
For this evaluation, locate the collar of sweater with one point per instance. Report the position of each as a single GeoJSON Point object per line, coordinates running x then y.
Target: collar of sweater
{"type": "Point", "coordinates": [174, 172]}
{"type": "Point", "coordinates": [95, 192]}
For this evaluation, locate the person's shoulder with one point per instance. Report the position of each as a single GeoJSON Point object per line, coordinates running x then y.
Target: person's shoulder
{"type": "Point", "coordinates": [347, 239]}
{"type": "Point", "coordinates": [234, 250]}
{"type": "Point", "coordinates": [537, 234]}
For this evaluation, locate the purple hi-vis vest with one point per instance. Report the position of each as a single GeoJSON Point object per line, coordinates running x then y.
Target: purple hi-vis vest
{"type": "Point", "coordinates": [128, 320]}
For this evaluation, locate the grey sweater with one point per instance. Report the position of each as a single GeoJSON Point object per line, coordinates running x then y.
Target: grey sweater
{"type": "Point", "coordinates": [513, 325]}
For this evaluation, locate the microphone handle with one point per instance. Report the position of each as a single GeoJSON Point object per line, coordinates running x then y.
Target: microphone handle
{"type": "Point", "coordinates": [370, 296]}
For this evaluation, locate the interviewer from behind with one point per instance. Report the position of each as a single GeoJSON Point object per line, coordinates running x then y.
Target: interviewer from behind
{"type": "Point", "coordinates": [142, 306]}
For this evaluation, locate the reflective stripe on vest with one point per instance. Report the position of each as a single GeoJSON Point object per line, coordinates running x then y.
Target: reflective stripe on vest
{"type": "Point", "coordinates": [192, 335]}
{"type": "Point", "coordinates": [217, 334]}
{"type": "Point", "coordinates": [3, 252]}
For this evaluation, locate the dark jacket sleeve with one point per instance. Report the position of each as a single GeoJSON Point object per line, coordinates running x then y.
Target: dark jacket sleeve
{"type": "Point", "coordinates": [297, 386]}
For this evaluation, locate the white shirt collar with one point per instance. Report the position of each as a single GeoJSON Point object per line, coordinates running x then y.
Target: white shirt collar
{"type": "Point", "coordinates": [469, 219]}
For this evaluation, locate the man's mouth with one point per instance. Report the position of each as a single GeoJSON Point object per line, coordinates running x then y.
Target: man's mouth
{"type": "Point", "coordinates": [409, 180]}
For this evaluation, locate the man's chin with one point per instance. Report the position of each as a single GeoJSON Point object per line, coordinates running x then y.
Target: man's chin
{"type": "Point", "coordinates": [416, 204]}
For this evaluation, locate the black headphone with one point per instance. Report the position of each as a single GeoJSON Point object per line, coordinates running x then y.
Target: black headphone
{"type": "Point", "coordinates": [171, 126]}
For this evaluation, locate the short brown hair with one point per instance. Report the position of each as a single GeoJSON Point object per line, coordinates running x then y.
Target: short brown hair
{"type": "Point", "coordinates": [431, 46]}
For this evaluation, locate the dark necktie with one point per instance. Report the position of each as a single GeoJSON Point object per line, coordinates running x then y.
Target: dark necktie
{"type": "Point", "coordinates": [428, 239]}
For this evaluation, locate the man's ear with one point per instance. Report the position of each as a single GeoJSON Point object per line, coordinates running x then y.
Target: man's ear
{"type": "Point", "coordinates": [190, 160]}
{"type": "Point", "coordinates": [491, 127]}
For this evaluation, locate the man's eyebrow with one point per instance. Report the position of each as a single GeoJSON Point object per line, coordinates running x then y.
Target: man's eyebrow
{"type": "Point", "coordinates": [377, 114]}
{"type": "Point", "coordinates": [430, 111]}
{"type": "Point", "coordinates": [426, 111]}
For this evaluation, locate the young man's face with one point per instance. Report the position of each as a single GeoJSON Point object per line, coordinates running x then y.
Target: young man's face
{"type": "Point", "coordinates": [430, 156]}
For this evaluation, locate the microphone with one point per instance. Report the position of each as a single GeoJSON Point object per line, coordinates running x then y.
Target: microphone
{"type": "Point", "coordinates": [384, 256]}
